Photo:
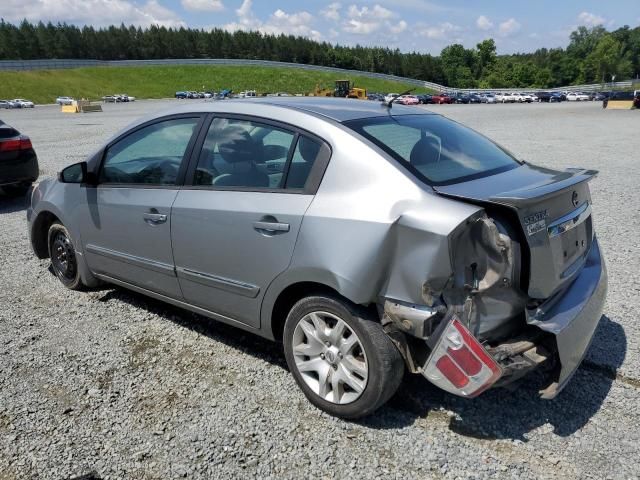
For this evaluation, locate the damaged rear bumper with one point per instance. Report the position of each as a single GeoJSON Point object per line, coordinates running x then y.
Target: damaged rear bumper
{"type": "Point", "coordinates": [572, 317]}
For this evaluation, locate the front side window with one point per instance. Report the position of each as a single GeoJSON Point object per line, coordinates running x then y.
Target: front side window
{"type": "Point", "coordinates": [437, 149]}
{"type": "Point", "coordinates": [151, 155]}
{"type": "Point", "coordinates": [243, 154]}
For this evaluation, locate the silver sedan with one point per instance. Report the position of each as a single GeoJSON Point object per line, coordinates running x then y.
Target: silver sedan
{"type": "Point", "coordinates": [369, 239]}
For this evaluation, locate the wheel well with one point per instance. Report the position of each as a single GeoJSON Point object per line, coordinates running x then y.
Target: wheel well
{"type": "Point", "coordinates": [290, 295]}
{"type": "Point", "coordinates": [39, 233]}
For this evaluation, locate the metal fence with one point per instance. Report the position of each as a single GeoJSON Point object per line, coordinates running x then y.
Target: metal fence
{"type": "Point", "coordinates": [76, 63]}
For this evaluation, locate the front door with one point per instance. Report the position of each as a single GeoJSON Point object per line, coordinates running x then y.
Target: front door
{"type": "Point", "coordinates": [127, 233]}
{"type": "Point", "coordinates": [235, 228]}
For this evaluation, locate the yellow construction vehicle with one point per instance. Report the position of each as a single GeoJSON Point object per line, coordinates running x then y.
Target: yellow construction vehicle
{"type": "Point", "coordinates": [343, 88]}
{"type": "Point", "coordinates": [322, 92]}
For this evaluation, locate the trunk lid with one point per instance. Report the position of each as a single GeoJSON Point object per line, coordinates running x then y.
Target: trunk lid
{"type": "Point", "coordinates": [554, 212]}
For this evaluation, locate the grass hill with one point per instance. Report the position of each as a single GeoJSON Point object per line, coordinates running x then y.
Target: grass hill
{"type": "Point", "coordinates": [43, 86]}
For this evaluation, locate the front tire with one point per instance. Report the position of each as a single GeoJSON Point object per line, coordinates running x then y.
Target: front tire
{"type": "Point", "coordinates": [344, 362]}
{"type": "Point", "coordinates": [63, 257]}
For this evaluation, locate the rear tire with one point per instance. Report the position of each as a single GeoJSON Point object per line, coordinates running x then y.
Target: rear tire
{"type": "Point", "coordinates": [63, 257]}
{"type": "Point", "coordinates": [344, 362]}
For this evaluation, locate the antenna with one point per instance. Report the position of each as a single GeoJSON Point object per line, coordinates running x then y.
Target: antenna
{"type": "Point", "coordinates": [390, 102]}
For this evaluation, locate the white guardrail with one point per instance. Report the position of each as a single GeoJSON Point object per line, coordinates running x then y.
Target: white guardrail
{"type": "Point", "coordinates": [57, 64]}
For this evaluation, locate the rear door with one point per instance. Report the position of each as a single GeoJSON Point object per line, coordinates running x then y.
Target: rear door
{"type": "Point", "coordinates": [234, 228]}
{"type": "Point", "coordinates": [127, 233]}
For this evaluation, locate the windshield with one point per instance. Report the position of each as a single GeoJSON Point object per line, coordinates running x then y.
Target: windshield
{"type": "Point", "coordinates": [436, 149]}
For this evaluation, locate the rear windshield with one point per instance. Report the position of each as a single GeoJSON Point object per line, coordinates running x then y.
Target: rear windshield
{"type": "Point", "coordinates": [437, 150]}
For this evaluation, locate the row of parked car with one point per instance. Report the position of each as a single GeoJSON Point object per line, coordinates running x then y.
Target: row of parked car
{"type": "Point", "coordinates": [117, 98]}
{"type": "Point", "coordinates": [489, 97]}
{"type": "Point", "coordinates": [182, 95]}
{"type": "Point", "coordinates": [16, 103]}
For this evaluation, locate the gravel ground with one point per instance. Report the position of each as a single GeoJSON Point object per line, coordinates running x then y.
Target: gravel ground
{"type": "Point", "coordinates": [114, 383]}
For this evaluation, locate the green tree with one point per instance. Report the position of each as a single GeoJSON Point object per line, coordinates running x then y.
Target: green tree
{"type": "Point", "coordinates": [607, 59]}
{"type": "Point", "coordinates": [486, 55]}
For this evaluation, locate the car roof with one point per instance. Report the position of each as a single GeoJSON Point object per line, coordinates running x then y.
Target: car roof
{"type": "Point", "coordinates": [338, 109]}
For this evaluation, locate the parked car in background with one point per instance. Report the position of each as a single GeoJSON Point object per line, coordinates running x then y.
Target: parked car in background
{"type": "Point", "coordinates": [524, 98]}
{"type": "Point", "coordinates": [182, 95]}
{"type": "Point", "coordinates": [460, 97]}
{"type": "Point", "coordinates": [408, 100]}
{"type": "Point", "coordinates": [636, 98]}
{"type": "Point", "coordinates": [543, 96]}
{"type": "Point", "coordinates": [558, 97]}
{"type": "Point", "coordinates": [64, 100]}
{"type": "Point", "coordinates": [424, 99]}
{"type": "Point", "coordinates": [18, 161]}
{"type": "Point", "coordinates": [474, 98]}
{"type": "Point", "coordinates": [534, 97]}
{"type": "Point", "coordinates": [109, 99]}
{"type": "Point", "coordinates": [505, 97]}
{"type": "Point", "coordinates": [600, 96]}
{"type": "Point", "coordinates": [367, 242]}
{"type": "Point", "coordinates": [488, 98]}
{"type": "Point", "coordinates": [390, 96]}
{"type": "Point", "coordinates": [441, 98]}
{"type": "Point", "coordinates": [577, 97]}
{"type": "Point", "coordinates": [22, 103]}
{"type": "Point", "coordinates": [5, 104]}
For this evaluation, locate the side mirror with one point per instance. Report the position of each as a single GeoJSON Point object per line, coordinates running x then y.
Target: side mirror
{"type": "Point", "coordinates": [77, 173]}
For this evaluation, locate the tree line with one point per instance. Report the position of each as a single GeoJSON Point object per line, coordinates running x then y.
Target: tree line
{"type": "Point", "coordinates": [592, 56]}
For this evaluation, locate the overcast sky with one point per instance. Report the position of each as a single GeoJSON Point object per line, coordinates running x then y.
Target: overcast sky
{"type": "Point", "coordinates": [420, 25]}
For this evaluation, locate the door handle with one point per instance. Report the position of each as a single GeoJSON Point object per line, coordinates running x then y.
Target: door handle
{"type": "Point", "coordinates": [155, 218]}
{"type": "Point", "coordinates": [271, 227]}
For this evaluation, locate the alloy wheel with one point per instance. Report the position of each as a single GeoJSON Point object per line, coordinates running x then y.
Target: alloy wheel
{"type": "Point", "coordinates": [330, 357]}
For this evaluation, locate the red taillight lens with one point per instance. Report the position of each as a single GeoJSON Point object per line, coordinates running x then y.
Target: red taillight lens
{"type": "Point", "coordinates": [459, 363]}
{"type": "Point", "coordinates": [9, 145]}
{"type": "Point", "coordinates": [467, 360]}
{"type": "Point", "coordinates": [22, 143]}
{"type": "Point", "coordinates": [452, 372]}
{"type": "Point", "coordinates": [25, 143]}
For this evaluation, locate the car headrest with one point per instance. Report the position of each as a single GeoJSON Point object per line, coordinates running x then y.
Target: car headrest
{"type": "Point", "coordinates": [308, 149]}
{"type": "Point", "coordinates": [425, 151]}
{"type": "Point", "coordinates": [236, 145]}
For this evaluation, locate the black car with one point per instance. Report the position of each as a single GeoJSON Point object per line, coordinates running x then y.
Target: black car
{"type": "Point", "coordinates": [600, 96]}
{"type": "Point", "coordinates": [424, 99]}
{"type": "Point", "coordinates": [461, 98]}
{"type": "Point", "coordinates": [473, 98]}
{"type": "Point", "coordinates": [544, 96]}
{"type": "Point", "coordinates": [18, 161]}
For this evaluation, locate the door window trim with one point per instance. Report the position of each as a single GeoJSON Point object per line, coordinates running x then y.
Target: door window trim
{"type": "Point", "coordinates": [313, 180]}
{"type": "Point", "coordinates": [184, 163]}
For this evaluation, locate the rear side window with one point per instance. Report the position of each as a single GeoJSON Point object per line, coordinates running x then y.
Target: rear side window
{"type": "Point", "coordinates": [151, 155]}
{"type": "Point", "coordinates": [438, 150]}
{"type": "Point", "coordinates": [304, 157]}
{"type": "Point", "coordinates": [244, 154]}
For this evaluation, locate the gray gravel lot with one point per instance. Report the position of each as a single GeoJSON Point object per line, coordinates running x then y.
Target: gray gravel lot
{"type": "Point", "coordinates": [111, 382]}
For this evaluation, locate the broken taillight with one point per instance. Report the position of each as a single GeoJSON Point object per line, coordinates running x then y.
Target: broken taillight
{"type": "Point", "coordinates": [459, 364]}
